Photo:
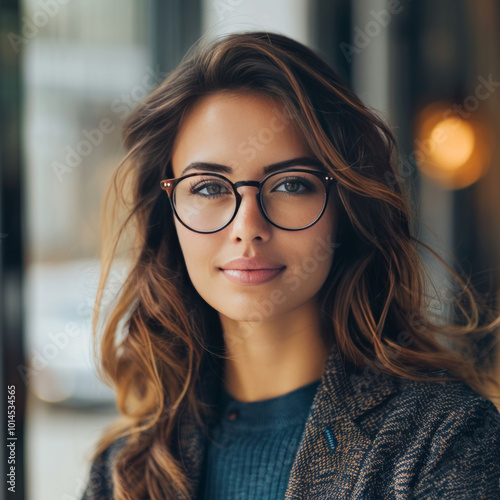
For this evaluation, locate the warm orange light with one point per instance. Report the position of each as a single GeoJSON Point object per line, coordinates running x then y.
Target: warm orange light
{"type": "Point", "coordinates": [452, 151]}
{"type": "Point", "coordinates": [458, 145]}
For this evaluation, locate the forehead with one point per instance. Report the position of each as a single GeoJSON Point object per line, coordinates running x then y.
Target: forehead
{"type": "Point", "coordinates": [241, 130]}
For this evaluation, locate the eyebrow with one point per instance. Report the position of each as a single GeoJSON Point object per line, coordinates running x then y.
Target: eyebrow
{"type": "Point", "coordinates": [275, 167]}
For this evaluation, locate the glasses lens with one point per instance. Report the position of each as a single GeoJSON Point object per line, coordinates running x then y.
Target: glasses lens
{"type": "Point", "coordinates": [293, 200]}
{"type": "Point", "coordinates": [204, 202]}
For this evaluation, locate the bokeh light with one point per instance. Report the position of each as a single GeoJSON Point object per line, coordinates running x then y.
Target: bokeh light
{"type": "Point", "coordinates": [452, 151]}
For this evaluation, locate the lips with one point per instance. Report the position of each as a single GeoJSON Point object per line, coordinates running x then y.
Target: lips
{"type": "Point", "coordinates": [251, 271]}
{"type": "Point", "coordinates": [254, 263]}
{"type": "Point", "coordinates": [251, 277]}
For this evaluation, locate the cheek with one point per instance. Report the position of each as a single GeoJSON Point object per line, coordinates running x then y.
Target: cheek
{"type": "Point", "coordinates": [312, 257]}
{"type": "Point", "coordinates": [198, 251]}
{"type": "Point", "coordinates": [320, 247]}
{"type": "Point", "coordinates": [187, 241]}
{"type": "Point", "coordinates": [316, 259]}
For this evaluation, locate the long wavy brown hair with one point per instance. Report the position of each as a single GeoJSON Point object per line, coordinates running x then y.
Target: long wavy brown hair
{"type": "Point", "coordinates": [377, 304]}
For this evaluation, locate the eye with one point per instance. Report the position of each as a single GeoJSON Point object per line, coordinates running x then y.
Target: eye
{"type": "Point", "coordinates": [213, 189]}
{"type": "Point", "coordinates": [292, 185]}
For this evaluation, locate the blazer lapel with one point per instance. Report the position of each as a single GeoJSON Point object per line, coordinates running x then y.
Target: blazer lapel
{"type": "Point", "coordinates": [338, 431]}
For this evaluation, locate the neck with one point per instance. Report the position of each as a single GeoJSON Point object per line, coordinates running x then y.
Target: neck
{"type": "Point", "coordinates": [271, 358]}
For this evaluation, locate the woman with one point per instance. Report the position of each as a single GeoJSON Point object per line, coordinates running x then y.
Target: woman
{"type": "Point", "coordinates": [274, 337]}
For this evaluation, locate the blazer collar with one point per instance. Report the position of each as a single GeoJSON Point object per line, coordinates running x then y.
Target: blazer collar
{"type": "Point", "coordinates": [347, 410]}
{"type": "Point", "coordinates": [353, 391]}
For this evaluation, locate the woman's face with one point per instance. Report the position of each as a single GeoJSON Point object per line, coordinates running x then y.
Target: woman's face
{"type": "Point", "coordinates": [247, 133]}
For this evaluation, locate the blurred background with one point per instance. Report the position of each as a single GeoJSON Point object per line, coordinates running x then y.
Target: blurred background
{"type": "Point", "coordinates": [70, 73]}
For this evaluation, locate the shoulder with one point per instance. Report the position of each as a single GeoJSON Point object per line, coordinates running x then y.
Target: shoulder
{"type": "Point", "coordinates": [445, 401]}
{"type": "Point", "coordinates": [100, 484]}
{"type": "Point", "coordinates": [426, 411]}
{"type": "Point", "coordinates": [444, 411]}
{"type": "Point", "coordinates": [379, 396]}
{"type": "Point", "coordinates": [455, 432]}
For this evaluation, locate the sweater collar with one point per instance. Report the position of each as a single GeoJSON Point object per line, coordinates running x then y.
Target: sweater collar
{"type": "Point", "coordinates": [274, 413]}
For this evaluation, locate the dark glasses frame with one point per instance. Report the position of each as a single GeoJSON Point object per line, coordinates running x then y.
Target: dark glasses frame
{"type": "Point", "coordinates": [168, 185]}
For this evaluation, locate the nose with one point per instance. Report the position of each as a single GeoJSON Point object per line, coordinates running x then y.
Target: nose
{"type": "Point", "coordinates": [249, 223]}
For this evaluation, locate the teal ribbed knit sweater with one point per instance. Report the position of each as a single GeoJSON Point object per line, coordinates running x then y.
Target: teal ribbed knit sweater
{"type": "Point", "coordinates": [254, 446]}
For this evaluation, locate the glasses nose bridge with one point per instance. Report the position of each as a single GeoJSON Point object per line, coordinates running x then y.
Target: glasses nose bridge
{"type": "Point", "coordinates": [255, 184]}
{"type": "Point", "coordinates": [238, 184]}
{"type": "Point", "coordinates": [247, 183]}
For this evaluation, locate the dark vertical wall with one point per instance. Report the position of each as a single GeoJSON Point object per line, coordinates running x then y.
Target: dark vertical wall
{"type": "Point", "coordinates": [404, 77]}
{"type": "Point", "coordinates": [330, 28]}
{"type": "Point", "coordinates": [11, 257]}
{"type": "Point", "coordinates": [175, 26]}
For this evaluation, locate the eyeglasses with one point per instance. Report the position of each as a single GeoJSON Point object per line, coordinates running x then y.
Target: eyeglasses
{"type": "Point", "coordinates": [293, 199]}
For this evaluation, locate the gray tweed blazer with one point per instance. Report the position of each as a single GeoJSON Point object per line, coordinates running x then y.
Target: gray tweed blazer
{"type": "Point", "coordinates": [371, 436]}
